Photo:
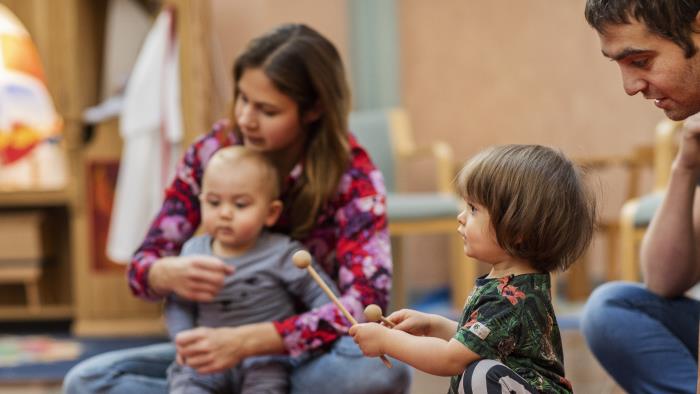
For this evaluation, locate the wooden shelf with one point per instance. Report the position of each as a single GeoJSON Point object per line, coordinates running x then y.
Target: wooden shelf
{"type": "Point", "coordinates": [34, 198]}
{"type": "Point", "coordinates": [44, 312]}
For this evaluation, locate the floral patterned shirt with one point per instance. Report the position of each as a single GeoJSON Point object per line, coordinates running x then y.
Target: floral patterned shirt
{"type": "Point", "coordinates": [511, 319]}
{"type": "Point", "coordinates": [350, 240]}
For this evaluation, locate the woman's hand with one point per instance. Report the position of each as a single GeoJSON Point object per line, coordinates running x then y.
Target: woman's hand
{"type": "Point", "coordinates": [411, 321]}
{"type": "Point", "coordinates": [195, 278]}
{"type": "Point", "coordinates": [370, 337]}
{"type": "Point", "coordinates": [209, 350]}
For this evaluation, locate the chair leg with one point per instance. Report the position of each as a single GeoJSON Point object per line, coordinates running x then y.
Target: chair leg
{"type": "Point", "coordinates": [628, 244]}
{"type": "Point", "coordinates": [31, 288]}
{"type": "Point", "coordinates": [463, 272]}
{"type": "Point", "coordinates": [612, 239]}
{"type": "Point", "coordinates": [577, 279]}
{"type": "Point", "coordinates": [398, 297]}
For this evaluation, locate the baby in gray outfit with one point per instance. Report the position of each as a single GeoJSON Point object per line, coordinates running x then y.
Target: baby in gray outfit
{"type": "Point", "coordinates": [238, 201]}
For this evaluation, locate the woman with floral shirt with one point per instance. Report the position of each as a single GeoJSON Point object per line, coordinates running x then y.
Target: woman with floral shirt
{"type": "Point", "coordinates": [291, 103]}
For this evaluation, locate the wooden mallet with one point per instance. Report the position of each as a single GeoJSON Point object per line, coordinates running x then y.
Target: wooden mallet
{"type": "Point", "coordinates": [302, 259]}
{"type": "Point", "coordinates": [373, 313]}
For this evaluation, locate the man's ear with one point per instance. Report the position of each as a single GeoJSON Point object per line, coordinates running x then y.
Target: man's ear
{"type": "Point", "coordinates": [273, 213]}
{"type": "Point", "coordinates": [313, 114]}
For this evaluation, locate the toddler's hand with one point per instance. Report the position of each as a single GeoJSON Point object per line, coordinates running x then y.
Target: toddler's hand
{"type": "Point", "coordinates": [369, 337]}
{"type": "Point", "coordinates": [411, 321]}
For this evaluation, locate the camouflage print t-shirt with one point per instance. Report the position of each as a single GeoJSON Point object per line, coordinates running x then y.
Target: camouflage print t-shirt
{"type": "Point", "coordinates": [511, 319]}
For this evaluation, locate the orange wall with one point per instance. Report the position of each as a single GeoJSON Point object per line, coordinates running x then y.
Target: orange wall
{"type": "Point", "coordinates": [476, 73]}
{"type": "Point", "coordinates": [238, 21]}
{"type": "Point", "coordinates": [479, 73]}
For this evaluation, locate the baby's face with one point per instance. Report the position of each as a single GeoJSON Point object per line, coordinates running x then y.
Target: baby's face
{"type": "Point", "coordinates": [236, 205]}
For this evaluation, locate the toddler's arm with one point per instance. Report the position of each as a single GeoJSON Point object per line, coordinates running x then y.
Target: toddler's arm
{"type": "Point", "coordinates": [432, 355]}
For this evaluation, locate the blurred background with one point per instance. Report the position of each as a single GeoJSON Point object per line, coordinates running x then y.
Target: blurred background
{"type": "Point", "coordinates": [468, 74]}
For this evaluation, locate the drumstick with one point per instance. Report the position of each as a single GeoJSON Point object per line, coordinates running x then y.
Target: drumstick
{"type": "Point", "coordinates": [302, 259]}
{"type": "Point", "coordinates": [373, 313]}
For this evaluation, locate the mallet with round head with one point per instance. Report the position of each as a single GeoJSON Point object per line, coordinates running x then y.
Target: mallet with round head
{"type": "Point", "coordinates": [302, 259]}
{"type": "Point", "coordinates": [373, 313]}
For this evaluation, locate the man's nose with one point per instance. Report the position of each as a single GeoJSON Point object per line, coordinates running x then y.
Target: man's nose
{"type": "Point", "coordinates": [632, 83]}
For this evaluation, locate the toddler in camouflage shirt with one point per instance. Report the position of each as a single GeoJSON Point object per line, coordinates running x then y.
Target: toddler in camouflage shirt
{"type": "Point", "coordinates": [528, 213]}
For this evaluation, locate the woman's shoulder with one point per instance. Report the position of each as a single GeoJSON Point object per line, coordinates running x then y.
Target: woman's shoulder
{"type": "Point", "coordinates": [362, 178]}
{"type": "Point", "coordinates": [359, 158]}
{"type": "Point", "coordinates": [203, 147]}
{"type": "Point", "coordinates": [220, 134]}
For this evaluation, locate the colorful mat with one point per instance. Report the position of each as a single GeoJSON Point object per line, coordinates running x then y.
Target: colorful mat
{"type": "Point", "coordinates": [36, 349]}
{"type": "Point", "coordinates": [47, 358]}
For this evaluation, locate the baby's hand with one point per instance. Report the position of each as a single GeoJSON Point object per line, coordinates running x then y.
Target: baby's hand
{"type": "Point", "coordinates": [193, 277]}
{"type": "Point", "coordinates": [369, 337]}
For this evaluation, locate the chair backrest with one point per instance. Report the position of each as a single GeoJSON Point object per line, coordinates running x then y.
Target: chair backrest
{"type": "Point", "coordinates": [665, 148]}
{"type": "Point", "coordinates": [374, 131]}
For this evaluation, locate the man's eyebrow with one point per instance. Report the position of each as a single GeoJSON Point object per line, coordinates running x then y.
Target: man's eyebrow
{"type": "Point", "coordinates": [624, 53]}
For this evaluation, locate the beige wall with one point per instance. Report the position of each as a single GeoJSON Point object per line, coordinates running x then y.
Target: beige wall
{"type": "Point", "coordinates": [476, 73]}
{"type": "Point", "coordinates": [481, 73]}
{"type": "Point", "coordinates": [238, 21]}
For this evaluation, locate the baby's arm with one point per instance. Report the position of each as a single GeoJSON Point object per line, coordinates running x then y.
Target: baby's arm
{"type": "Point", "coordinates": [433, 355]}
{"type": "Point", "coordinates": [180, 314]}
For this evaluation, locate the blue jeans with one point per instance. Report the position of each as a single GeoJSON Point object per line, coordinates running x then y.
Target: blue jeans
{"type": "Point", "coordinates": [143, 370]}
{"type": "Point", "coordinates": [647, 343]}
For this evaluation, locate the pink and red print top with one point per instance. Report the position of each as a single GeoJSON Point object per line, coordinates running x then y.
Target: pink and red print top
{"type": "Point", "coordinates": [350, 240]}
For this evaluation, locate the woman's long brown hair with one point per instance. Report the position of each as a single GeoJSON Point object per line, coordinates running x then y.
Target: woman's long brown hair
{"type": "Point", "coordinates": [305, 66]}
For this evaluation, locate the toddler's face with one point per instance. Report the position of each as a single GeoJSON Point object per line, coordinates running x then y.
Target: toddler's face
{"type": "Point", "coordinates": [236, 205]}
{"type": "Point", "coordinates": [478, 234]}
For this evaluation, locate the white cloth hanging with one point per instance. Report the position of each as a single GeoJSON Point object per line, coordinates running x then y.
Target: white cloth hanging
{"type": "Point", "coordinates": [151, 127]}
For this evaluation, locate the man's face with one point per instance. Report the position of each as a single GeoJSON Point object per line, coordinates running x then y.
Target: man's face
{"type": "Point", "coordinates": [656, 67]}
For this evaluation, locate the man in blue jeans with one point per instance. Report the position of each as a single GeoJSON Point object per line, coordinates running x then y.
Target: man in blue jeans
{"type": "Point", "coordinates": [646, 336]}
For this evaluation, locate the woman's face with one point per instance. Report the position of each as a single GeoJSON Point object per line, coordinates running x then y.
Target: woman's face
{"type": "Point", "coordinates": [267, 118]}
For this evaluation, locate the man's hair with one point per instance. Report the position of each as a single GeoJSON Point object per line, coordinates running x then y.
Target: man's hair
{"type": "Point", "coordinates": [231, 156]}
{"type": "Point", "coordinates": [669, 19]}
{"type": "Point", "coordinates": [540, 207]}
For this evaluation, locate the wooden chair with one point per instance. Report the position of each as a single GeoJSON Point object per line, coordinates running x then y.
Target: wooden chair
{"type": "Point", "coordinates": [636, 213]}
{"type": "Point", "coordinates": [578, 285]}
{"type": "Point", "coordinates": [387, 136]}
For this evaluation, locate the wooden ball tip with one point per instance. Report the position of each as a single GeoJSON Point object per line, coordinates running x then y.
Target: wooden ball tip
{"type": "Point", "coordinates": [301, 259]}
{"type": "Point", "coordinates": [373, 313]}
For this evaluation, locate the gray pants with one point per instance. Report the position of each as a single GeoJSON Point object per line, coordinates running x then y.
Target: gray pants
{"type": "Point", "coordinates": [264, 375]}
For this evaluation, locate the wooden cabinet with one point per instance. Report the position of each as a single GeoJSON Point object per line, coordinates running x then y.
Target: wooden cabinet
{"type": "Point", "coordinates": [34, 262]}
{"type": "Point", "coordinates": [69, 35]}
{"type": "Point", "coordinates": [103, 302]}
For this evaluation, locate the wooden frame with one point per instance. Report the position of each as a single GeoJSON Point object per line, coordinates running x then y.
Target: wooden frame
{"type": "Point", "coordinates": [463, 270]}
{"type": "Point", "coordinates": [631, 233]}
